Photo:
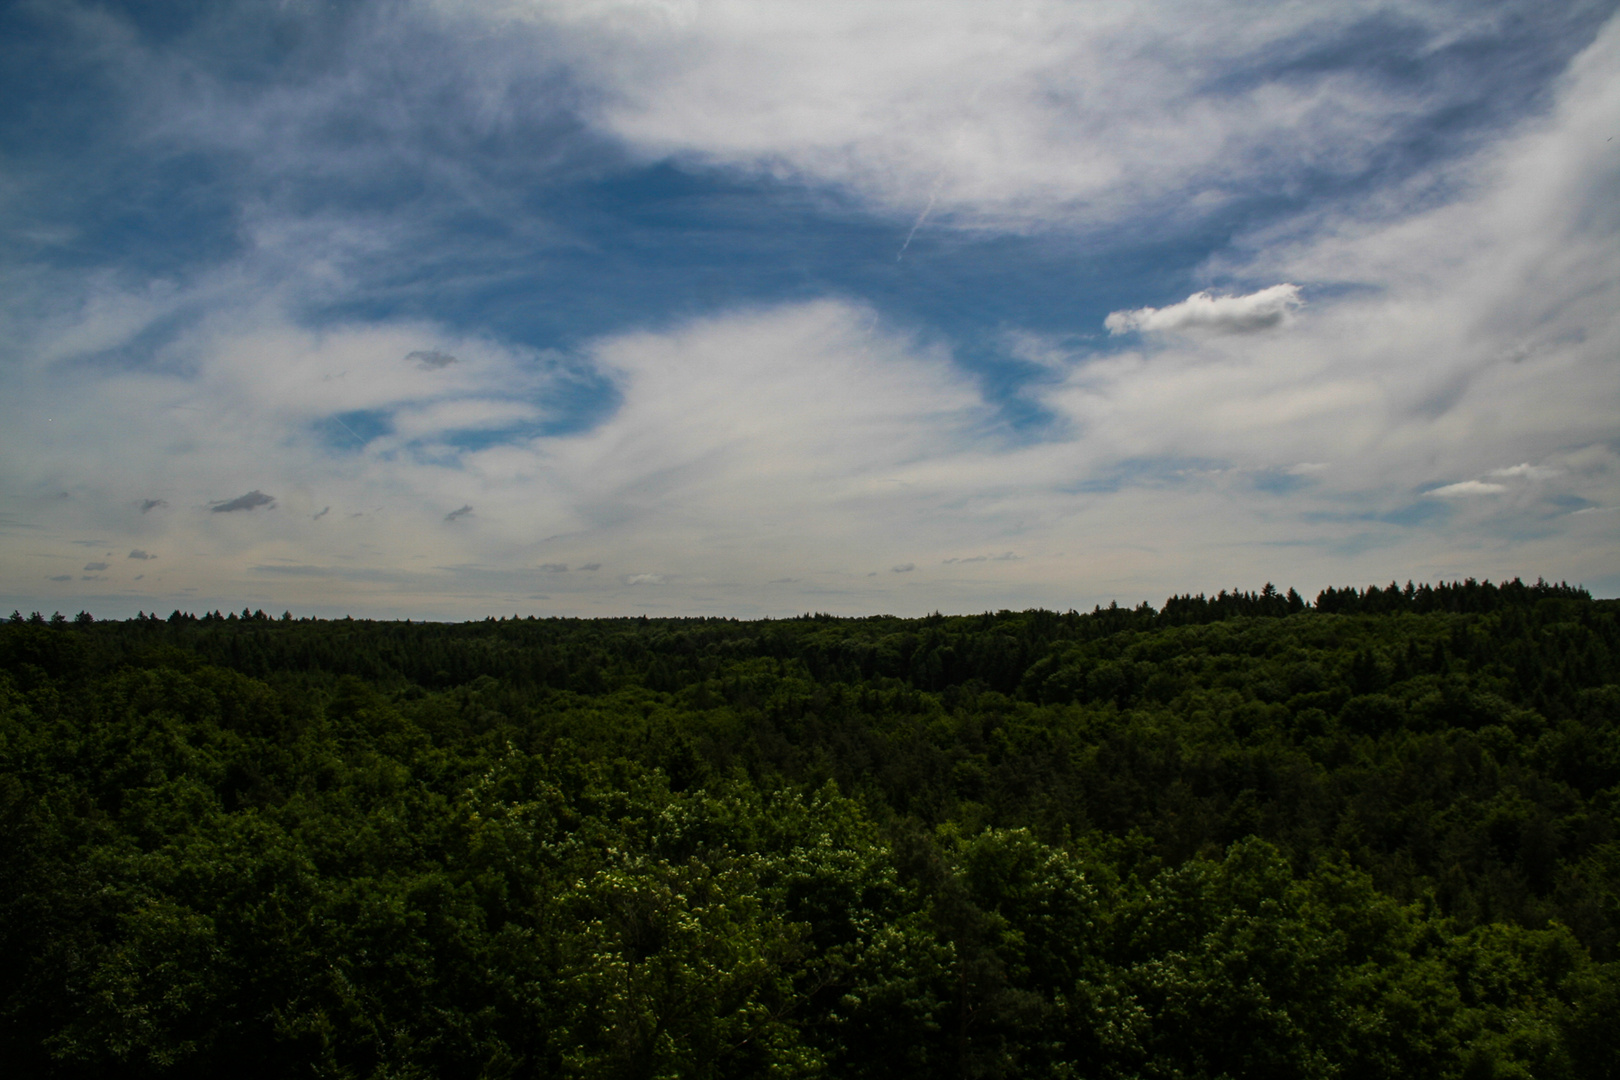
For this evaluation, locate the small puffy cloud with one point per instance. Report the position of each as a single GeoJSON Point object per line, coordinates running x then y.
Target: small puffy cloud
{"type": "Point", "coordinates": [554, 567]}
{"type": "Point", "coordinates": [1467, 488]}
{"type": "Point", "coordinates": [903, 568]}
{"type": "Point", "coordinates": [591, 566]}
{"type": "Point", "coordinates": [153, 504]}
{"type": "Point", "coordinates": [245, 502]}
{"type": "Point", "coordinates": [430, 359]}
{"type": "Point", "coordinates": [644, 579]}
{"type": "Point", "coordinates": [91, 566]}
{"type": "Point", "coordinates": [1205, 312]}
{"type": "Point", "coordinates": [142, 555]}
{"type": "Point", "coordinates": [465, 511]}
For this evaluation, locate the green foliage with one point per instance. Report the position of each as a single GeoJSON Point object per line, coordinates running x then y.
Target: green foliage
{"type": "Point", "coordinates": [1241, 837]}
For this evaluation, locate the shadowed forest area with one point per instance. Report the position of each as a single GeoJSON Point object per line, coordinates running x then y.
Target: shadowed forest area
{"type": "Point", "coordinates": [1244, 836]}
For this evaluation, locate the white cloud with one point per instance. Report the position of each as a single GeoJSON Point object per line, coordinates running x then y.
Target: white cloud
{"type": "Point", "coordinates": [1527, 471]}
{"type": "Point", "coordinates": [1206, 312]}
{"type": "Point", "coordinates": [1466, 488]}
{"type": "Point", "coordinates": [744, 444]}
{"type": "Point", "coordinates": [1016, 115]}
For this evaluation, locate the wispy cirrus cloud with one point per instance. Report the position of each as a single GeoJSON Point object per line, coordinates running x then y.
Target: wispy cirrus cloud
{"type": "Point", "coordinates": [1046, 112]}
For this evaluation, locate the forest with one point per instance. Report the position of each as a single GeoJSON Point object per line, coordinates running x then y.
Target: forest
{"type": "Point", "coordinates": [1246, 835]}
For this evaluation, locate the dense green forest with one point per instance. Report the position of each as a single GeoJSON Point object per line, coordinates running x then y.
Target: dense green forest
{"type": "Point", "coordinates": [1243, 836]}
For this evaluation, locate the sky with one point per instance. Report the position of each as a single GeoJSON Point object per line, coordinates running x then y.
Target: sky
{"type": "Point", "coordinates": [444, 310]}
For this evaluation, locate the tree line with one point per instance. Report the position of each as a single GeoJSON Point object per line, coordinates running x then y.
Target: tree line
{"type": "Point", "coordinates": [1241, 835]}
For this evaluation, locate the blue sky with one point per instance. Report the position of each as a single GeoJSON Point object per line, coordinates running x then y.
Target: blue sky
{"type": "Point", "coordinates": [448, 309]}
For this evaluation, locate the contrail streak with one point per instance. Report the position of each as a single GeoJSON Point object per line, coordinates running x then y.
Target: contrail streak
{"type": "Point", "coordinates": [922, 217]}
{"type": "Point", "coordinates": [349, 429]}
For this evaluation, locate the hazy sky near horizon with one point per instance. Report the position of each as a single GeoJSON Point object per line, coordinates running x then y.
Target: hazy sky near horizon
{"type": "Point", "coordinates": [446, 309]}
